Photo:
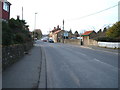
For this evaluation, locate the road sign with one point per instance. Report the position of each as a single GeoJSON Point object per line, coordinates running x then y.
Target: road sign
{"type": "Point", "coordinates": [66, 34]}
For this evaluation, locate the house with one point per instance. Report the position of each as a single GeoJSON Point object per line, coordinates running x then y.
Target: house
{"type": "Point", "coordinates": [87, 37]}
{"type": "Point", "coordinates": [58, 35]}
{"type": "Point", "coordinates": [5, 10]}
{"type": "Point", "coordinates": [54, 32]}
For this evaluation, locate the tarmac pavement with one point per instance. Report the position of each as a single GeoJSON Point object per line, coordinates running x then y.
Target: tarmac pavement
{"type": "Point", "coordinates": [25, 73]}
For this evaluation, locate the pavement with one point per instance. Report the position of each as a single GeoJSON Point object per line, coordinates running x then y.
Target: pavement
{"type": "Point", "coordinates": [0, 78]}
{"type": "Point", "coordinates": [25, 73]}
{"type": "Point", "coordinates": [0, 67]}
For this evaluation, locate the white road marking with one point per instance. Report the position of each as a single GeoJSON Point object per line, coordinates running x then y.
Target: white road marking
{"type": "Point", "coordinates": [98, 50]}
{"type": "Point", "coordinates": [83, 54]}
{"type": "Point", "coordinates": [106, 51]}
{"type": "Point", "coordinates": [105, 63]}
{"type": "Point", "coordinates": [68, 48]}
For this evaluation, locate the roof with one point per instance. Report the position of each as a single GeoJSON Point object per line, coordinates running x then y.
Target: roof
{"type": "Point", "coordinates": [37, 30]}
{"type": "Point", "coordinates": [6, 2]}
{"type": "Point", "coordinates": [2, 0]}
{"type": "Point", "coordinates": [54, 30]}
{"type": "Point", "coordinates": [57, 31]}
{"type": "Point", "coordinates": [87, 33]}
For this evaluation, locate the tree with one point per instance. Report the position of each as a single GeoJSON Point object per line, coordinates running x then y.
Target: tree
{"type": "Point", "coordinates": [112, 34]}
{"type": "Point", "coordinates": [114, 31]}
{"type": "Point", "coordinates": [105, 29]}
{"type": "Point", "coordinates": [37, 33]}
{"type": "Point", "coordinates": [76, 34]}
{"type": "Point", "coordinates": [7, 36]}
{"type": "Point", "coordinates": [99, 31]}
{"type": "Point", "coordinates": [15, 32]}
{"type": "Point", "coordinates": [70, 32]}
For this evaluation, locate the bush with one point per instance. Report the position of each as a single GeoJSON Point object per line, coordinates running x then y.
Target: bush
{"type": "Point", "coordinates": [19, 38]}
{"type": "Point", "coordinates": [6, 34]}
{"type": "Point", "coordinates": [107, 39]}
{"type": "Point", "coordinates": [15, 32]}
{"type": "Point", "coordinates": [114, 31]}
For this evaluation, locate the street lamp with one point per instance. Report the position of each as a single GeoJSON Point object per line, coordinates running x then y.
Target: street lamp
{"type": "Point", "coordinates": [35, 22]}
{"type": "Point", "coordinates": [34, 26]}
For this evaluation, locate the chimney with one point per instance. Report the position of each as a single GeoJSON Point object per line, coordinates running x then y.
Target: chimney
{"type": "Point", "coordinates": [18, 17]}
{"type": "Point", "coordinates": [54, 28]}
{"type": "Point", "coordinates": [58, 26]}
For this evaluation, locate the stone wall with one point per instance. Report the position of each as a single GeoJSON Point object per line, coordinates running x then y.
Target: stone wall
{"type": "Point", "coordinates": [78, 42]}
{"type": "Point", "coordinates": [11, 54]}
{"type": "Point", "coordinates": [72, 41]}
{"type": "Point", "coordinates": [93, 42]}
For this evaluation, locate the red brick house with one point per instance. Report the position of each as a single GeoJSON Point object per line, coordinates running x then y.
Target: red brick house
{"type": "Point", "coordinates": [88, 36]}
{"type": "Point", "coordinates": [5, 10]}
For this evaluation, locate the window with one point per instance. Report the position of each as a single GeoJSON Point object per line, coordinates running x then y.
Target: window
{"type": "Point", "coordinates": [6, 7]}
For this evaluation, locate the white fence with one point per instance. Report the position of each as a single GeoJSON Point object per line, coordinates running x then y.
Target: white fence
{"type": "Point", "coordinates": [109, 44]}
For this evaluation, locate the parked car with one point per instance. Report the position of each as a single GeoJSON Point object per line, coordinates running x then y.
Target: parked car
{"type": "Point", "coordinates": [35, 40]}
{"type": "Point", "coordinates": [73, 37]}
{"type": "Point", "coordinates": [44, 40]}
{"type": "Point", "coordinates": [50, 41]}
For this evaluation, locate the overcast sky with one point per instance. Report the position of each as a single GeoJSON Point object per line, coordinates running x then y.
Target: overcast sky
{"type": "Point", "coordinates": [52, 12]}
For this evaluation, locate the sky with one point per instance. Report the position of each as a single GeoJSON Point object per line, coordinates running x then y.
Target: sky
{"type": "Point", "coordinates": [51, 13]}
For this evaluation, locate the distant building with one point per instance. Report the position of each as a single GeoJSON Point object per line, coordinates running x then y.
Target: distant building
{"type": "Point", "coordinates": [87, 36]}
{"type": "Point", "coordinates": [53, 33]}
{"type": "Point", "coordinates": [58, 36]}
{"type": "Point", "coordinates": [5, 10]}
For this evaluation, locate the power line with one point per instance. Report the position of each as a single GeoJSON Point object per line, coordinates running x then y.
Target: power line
{"type": "Point", "coordinates": [95, 13]}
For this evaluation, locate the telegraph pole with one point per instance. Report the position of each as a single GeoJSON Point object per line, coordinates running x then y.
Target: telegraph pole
{"type": "Point", "coordinates": [63, 31]}
{"type": "Point", "coordinates": [63, 24]}
{"type": "Point", "coordinates": [22, 13]}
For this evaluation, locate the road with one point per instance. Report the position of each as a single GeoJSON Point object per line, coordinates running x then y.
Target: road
{"type": "Point", "coordinates": [57, 65]}
{"type": "Point", "coordinates": [70, 66]}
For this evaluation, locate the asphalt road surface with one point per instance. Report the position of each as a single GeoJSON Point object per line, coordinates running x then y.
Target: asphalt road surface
{"type": "Point", "coordinates": [57, 65]}
{"type": "Point", "coordinates": [70, 66]}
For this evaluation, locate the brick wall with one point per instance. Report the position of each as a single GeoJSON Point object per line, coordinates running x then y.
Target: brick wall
{"type": "Point", "coordinates": [5, 15]}
{"type": "Point", "coordinates": [0, 10]}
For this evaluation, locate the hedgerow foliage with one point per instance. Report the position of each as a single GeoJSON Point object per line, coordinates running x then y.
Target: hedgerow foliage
{"type": "Point", "coordinates": [15, 32]}
{"type": "Point", "coordinates": [111, 34]}
{"type": "Point", "coordinates": [114, 31]}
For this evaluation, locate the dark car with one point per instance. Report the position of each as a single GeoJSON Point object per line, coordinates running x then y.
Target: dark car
{"type": "Point", "coordinates": [51, 41]}
{"type": "Point", "coordinates": [73, 37]}
{"type": "Point", "coordinates": [44, 40]}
